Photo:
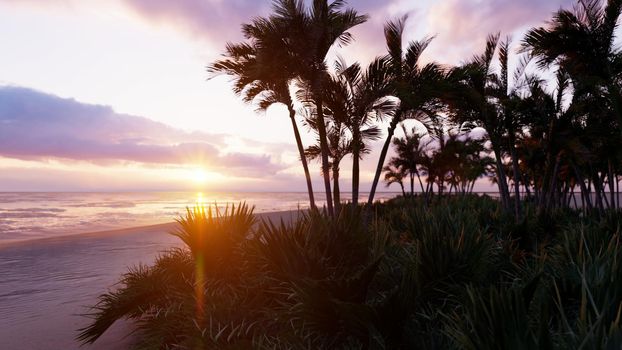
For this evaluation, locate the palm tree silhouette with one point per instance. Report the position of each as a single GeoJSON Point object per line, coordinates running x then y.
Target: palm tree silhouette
{"type": "Point", "coordinates": [410, 152]}
{"type": "Point", "coordinates": [306, 36]}
{"type": "Point", "coordinates": [339, 105]}
{"type": "Point", "coordinates": [473, 99]}
{"type": "Point", "coordinates": [339, 147]}
{"type": "Point", "coordinates": [255, 79]}
{"type": "Point", "coordinates": [394, 174]}
{"type": "Point", "coordinates": [416, 86]}
{"type": "Point", "coordinates": [358, 98]}
{"type": "Point", "coordinates": [583, 43]}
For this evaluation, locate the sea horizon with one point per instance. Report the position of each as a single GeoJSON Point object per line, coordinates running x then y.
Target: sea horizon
{"type": "Point", "coordinates": [34, 215]}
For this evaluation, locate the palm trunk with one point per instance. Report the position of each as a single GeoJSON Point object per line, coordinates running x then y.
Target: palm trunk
{"type": "Point", "coordinates": [321, 126]}
{"type": "Point", "coordinates": [336, 194]}
{"type": "Point", "coordinates": [412, 184]}
{"type": "Point", "coordinates": [585, 194]}
{"type": "Point", "coordinates": [430, 189]}
{"type": "Point", "coordinates": [597, 191]}
{"type": "Point", "coordinates": [355, 166]}
{"type": "Point", "coordinates": [420, 183]}
{"type": "Point", "coordinates": [553, 186]}
{"type": "Point", "coordinates": [527, 191]}
{"type": "Point", "coordinates": [617, 191]}
{"type": "Point", "coordinates": [612, 194]}
{"type": "Point", "coordinates": [603, 188]}
{"type": "Point", "coordinates": [516, 172]}
{"type": "Point", "coordinates": [303, 158]}
{"type": "Point", "coordinates": [546, 180]}
{"type": "Point", "coordinates": [549, 165]}
{"type": "Point", "coordinates": [501, 179]}
{"type": "Point", "coordinates": [383, 155]}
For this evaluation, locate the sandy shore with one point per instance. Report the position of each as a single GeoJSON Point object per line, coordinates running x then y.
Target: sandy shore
{"type": "Point", "coordinates": [46, 284]}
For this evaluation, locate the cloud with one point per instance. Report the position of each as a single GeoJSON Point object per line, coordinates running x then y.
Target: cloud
{"type": "Point", "coordinates": [39, 126]}
{"type": "Point", "coordinates": [461, 26]}
{"type": "Point", "coordinates": [369, 36]}
{"type": "Point", "coordinates": [217, 20]}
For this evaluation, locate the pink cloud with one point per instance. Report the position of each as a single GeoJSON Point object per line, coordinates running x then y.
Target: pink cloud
{"type": "Point", "coordinates": [38, 126]}
{"type": "Point", "coordinates": [461, 26]}
{"type": "Point", "coordinates": [216, 20]}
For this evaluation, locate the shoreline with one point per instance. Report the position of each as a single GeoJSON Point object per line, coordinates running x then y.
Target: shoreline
{"type": "Point", "coordinates": [8, 244]}
{"type": "Point", "coordinates": [47, 284]}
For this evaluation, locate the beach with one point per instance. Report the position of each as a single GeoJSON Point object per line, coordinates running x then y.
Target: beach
{"type": "Point", "coordinates": [47, 284]}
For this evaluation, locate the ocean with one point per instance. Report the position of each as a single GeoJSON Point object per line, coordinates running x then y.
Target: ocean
{"type": "Point", "coordinates": [33, 215]}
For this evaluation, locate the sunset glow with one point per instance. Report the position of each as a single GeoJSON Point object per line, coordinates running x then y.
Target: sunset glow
{"type": "Point", "coordinates": [310, 174]}
{"type": "Point", "coordinates": [200, 199]}
{"type": "Point", "coordinates": [200, 176]}
{"type": "Point", "coordinates": [153, 108]}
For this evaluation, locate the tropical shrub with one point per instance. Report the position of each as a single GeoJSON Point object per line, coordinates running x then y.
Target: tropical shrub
{"type": "Point", "coordinates": [410, 273]}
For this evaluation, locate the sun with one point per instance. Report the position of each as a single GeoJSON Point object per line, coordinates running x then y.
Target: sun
{"type": "Point", "coordinates": [199, 176]}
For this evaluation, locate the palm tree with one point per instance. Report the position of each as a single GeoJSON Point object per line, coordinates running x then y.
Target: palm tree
{"type": "Point", "coordinates": [304, 38]}
{"type": "Point", "coordinates": [473, 99]}
{"type": "Point", "coordinates": [394, 174]}
{"type": "Point", "coordinates": [506, 92]}
{"type": "Point", "coordinates": [338, 109]}
{"type": "Point", "coordinates": [254, 79]}
{"type": "Point", "coordinates": [441, 130]}
{"type": "Point", "coordinates": [583, 43]}
{"type": "Point", "coordinates": [358, 98]}
{"type": "Point", "coordinates": [416, 86]}
{"type": "Point", "coordinates": [550, 127]}
{"type": "Point", "coordinates": [410, 152]}
{"type": "Point", "coordinates": [339, 146]}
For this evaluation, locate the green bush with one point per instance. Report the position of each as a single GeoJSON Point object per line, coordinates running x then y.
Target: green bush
{"type": "Point", "coordinates": [454, 273]}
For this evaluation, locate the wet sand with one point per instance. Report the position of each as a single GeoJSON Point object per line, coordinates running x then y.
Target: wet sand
{"type": "Point", "coordinates": [46, 284]}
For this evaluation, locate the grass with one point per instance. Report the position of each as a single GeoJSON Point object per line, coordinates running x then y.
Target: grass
{"type": "Point", "coordinates": [452, 274]}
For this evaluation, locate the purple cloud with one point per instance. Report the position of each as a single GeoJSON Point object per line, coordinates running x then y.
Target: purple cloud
{"type": "Point", "coordinates": [38, 126]}
{"type": "Point", "coordinates": [215, 19]}
{"type": "Point", "coordinates": [461, 26]}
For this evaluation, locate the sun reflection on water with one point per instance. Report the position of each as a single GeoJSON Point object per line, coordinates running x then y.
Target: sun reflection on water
{"type": "Point", "coordinates": [200, 199]}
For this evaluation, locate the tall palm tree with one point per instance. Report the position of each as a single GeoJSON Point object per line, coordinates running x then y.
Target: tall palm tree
{"type": "Point", "coordinates": [338, 109]}
{"type": "Point", "coordinates": [583, 42]}
{"type": "Point", "coordinates": [305, 36]}
{"type": "Point", "coordinates": [395, 175]}
{"type": "Point", "coordinates": [548, 128]}
{"type": "Point", "coordinates": [255, 81]}
{"type": "Point", "coordinates": [473, 99]}
{"type": "Point", "coordinates": [415, 85]}
{"type": "Point", "coordinates": [446, 158]}
{"type": "Point", "coordinates": [505, 89]}
{"type": "Point", "coordinates": [473, 161]}
{"type": "Point", "coordinates": [339, 147]}
{"type": "Point", "coordinates": [359, 97]}
{"type": "Point", "coordinates": [410, 152]}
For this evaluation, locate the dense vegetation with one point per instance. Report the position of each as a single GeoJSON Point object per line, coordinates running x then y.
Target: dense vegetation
{"type": "Point", "coordinates": [453, 274]}
{"type": "Point", "coordinates": [538, 268]}
{"type": "Point", "coordinates": [540, 140]}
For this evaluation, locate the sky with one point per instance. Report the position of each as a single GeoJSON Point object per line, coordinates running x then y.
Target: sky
{"type": "Point", "coordinates": [113, 95]}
